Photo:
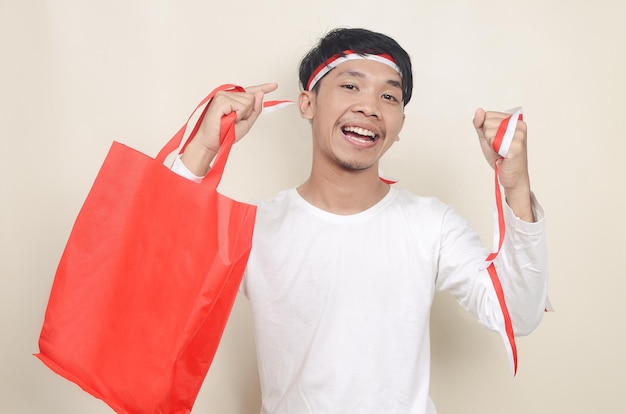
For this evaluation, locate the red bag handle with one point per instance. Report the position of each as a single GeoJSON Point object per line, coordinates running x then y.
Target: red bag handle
{"type": "Point", "coordinates": [227, 137]}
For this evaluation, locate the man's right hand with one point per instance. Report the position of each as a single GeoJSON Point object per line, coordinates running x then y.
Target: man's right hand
{"type": "Point", "coordinates": [248, 105]}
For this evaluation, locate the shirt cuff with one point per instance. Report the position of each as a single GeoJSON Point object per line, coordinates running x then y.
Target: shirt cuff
{"type": "Point", "coordinates": [181, 169]}
{"type": "Point", "coordinates": [526, 227]}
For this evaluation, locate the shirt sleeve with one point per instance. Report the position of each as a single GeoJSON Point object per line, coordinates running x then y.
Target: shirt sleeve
{"type": "Point", "coordinates": [181, 169]}
{"type": "Point", "coordinates": [521, 265]}
{"type": "Point", "coordinates": [523, 269]}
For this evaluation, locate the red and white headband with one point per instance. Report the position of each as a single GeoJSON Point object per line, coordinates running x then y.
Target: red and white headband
{"type": "Point", "coordinates": [339, 58]}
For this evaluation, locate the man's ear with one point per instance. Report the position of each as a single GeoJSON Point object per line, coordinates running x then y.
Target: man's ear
{"type": "Point", "coordinates": [306, 104]}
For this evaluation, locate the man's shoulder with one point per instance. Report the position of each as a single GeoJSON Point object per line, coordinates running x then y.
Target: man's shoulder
{"type": "Point", "coordinates": [273, 199]}
{"type": "Point", "coordinates": [276, 204]}
{"type": "Point", "coordinates": [407, 199]}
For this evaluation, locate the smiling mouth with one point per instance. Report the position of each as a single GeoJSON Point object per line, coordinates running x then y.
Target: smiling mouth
{"type": "Point", "coordinates": [359, 133]}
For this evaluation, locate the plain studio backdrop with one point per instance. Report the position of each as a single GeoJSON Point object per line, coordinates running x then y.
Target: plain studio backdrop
{"type": "Point", "coordinates": [77, 75]}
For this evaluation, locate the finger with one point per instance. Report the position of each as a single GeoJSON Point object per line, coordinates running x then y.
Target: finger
{"type": "Point", "coordinates": [265, 88]}
{"type": "Point", "coordinates": [253, 107]}
{"type": "Point", "coordinates": [243, 104]}
{"type": "Point", "coordinates": [251, 112]}
{"type": "Point", "coordinates": [258, 102]}
{"type": "Point", "coordinates": [227, 102]}
{"type": "Point", "coordinates": [251, 100]}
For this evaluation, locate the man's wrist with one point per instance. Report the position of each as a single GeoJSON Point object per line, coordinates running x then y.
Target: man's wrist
{"type": "Point", "coordinates": [520, 202]}
{"type": "Point", "coordinates": [197, 158]}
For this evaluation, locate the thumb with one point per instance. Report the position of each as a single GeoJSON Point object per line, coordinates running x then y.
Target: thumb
{"type": "Point", "coordinates": [479, 118]}
{"type": "Point", "coordinates": [478, 121]}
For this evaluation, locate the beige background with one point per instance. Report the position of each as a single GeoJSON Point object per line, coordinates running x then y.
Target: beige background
{"type": "Point", "coordinates": [75, 75]}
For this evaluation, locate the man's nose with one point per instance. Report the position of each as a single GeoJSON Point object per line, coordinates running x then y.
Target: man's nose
{"type": "Point", "coordinates": [368, 105]}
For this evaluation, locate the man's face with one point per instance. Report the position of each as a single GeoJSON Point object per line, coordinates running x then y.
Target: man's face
{"type": "Point", "coordinates": [356, 114]}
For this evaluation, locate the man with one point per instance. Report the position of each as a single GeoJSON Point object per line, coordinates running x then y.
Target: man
{"type": "Point", "coordinates": [343, 268]}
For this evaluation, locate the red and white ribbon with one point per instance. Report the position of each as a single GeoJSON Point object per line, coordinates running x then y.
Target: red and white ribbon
{"type": "Point", "coordinates": [506, 131]}
{"type": "Point", "coordinates": [271, 106]}
{"type": "Point", "coordinates": [501, 144]}
{"type": "Point", "coordinates": [347, 55]}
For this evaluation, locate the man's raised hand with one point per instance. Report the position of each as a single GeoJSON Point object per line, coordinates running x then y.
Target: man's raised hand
{"type": "Point", "coordinates": [247, 105]}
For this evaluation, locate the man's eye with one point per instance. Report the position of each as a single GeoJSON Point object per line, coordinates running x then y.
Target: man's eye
{"type": "Point", "coordinates": [389, 97]}
{"type": "Point", "coordinates": [349, 86]}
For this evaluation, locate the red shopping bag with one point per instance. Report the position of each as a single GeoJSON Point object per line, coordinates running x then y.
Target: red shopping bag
{"type": "Point", "coordinates": [147, 280]}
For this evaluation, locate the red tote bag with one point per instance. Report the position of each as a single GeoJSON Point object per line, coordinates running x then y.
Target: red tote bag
{"type": "Point", "coordinates": [147, 280]}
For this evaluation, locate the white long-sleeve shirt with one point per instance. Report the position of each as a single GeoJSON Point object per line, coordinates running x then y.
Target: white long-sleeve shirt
{"type": "Point", "coordinates": [341, 304]}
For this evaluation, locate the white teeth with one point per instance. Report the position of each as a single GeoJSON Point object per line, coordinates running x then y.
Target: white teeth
{"type": "Point", "coordinates": [361, 131]}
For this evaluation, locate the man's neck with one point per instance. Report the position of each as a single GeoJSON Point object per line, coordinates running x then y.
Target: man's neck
{"type": "Point", "coordinates": [343, 192]}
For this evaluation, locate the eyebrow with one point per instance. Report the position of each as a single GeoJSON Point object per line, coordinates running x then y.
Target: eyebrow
{"type": "Point", "coordinates": [357, 74]}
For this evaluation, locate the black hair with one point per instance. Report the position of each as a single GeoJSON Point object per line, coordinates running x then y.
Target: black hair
{"type": "Point", "coordinates": [361, 41]}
